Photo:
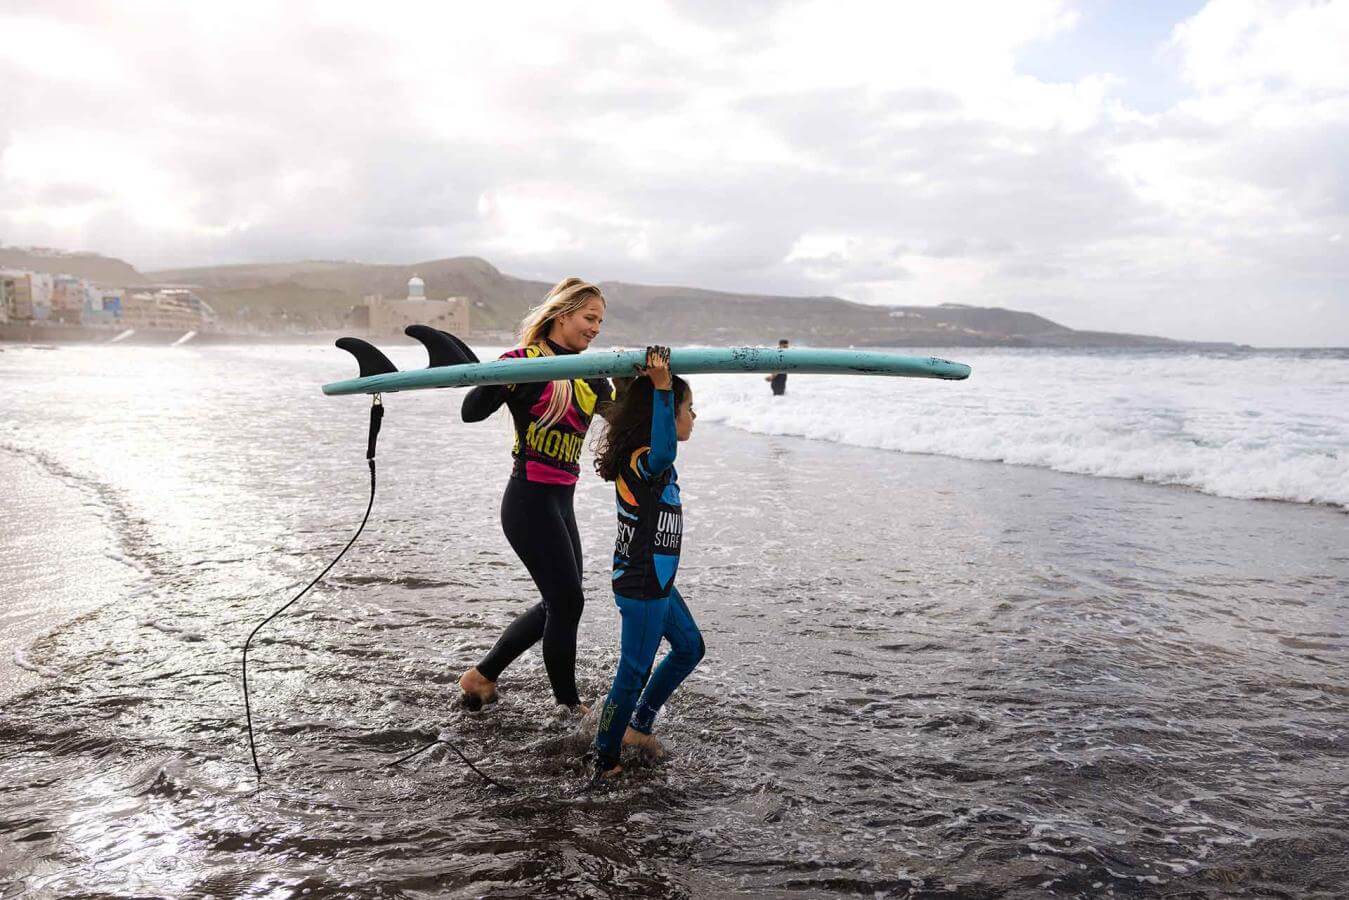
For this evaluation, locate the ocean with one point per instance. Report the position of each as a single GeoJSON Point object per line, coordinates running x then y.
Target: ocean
{"type": "Point", "coordinates": [1255, 426]}
{"type": "Point", "coordinates": [1077, 626]}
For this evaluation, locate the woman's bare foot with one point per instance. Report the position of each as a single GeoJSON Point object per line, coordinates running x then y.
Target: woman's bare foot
{"type": "Point", "coordinates": [649, 744]}
{"type": "Point", "coordinates": [576, 716]}
{"type": "Point", "coordinates": [477, 690]}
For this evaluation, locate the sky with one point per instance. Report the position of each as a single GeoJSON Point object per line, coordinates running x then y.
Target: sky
{"type": "Point", "coordinates": [1173, 168]}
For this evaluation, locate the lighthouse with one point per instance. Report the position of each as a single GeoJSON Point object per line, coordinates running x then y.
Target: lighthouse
{"type": "Point", "coordinates": [387, 316]}
{"type": "Point", "coordinates": [416, 288]}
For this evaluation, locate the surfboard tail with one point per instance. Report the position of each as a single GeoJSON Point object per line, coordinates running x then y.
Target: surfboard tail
{"type": "Point", "coordinates": [442, 349]}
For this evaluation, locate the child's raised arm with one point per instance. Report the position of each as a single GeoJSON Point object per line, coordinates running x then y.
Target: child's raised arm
{"type": "Point", "coordinates": [664, 440]}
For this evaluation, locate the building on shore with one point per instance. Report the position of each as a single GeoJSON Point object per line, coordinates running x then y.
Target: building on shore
{"type": "Point", "coordinates": [171, 308]}
{"type": "Point", "coordinates": [382, 316]}
{"type": "Point", "coordinates": [68, 299]}
{"type": "Point", "coordinates": [41, 290]}
{"type": "Point", "coordinates": [25, 294]}
{"type": "Point", "coordinates": [102, 306]}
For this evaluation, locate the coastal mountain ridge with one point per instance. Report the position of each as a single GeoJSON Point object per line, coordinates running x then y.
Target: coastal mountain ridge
{"type": "Point", "coordinates": [105, 270]}
{"type": "Point", "coordinates": [317, 295]}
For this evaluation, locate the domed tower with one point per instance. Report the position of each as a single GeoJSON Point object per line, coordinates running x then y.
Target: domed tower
{"type": "Point", "coordinates": [416, 288]}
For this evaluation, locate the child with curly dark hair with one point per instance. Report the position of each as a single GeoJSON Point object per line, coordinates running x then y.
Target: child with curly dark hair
{"type": "Point", "coordinates": [637, 453]}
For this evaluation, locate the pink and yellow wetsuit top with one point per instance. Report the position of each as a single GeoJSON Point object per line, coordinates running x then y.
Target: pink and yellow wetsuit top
{"type": "Point", "coordinates": [550, 454]}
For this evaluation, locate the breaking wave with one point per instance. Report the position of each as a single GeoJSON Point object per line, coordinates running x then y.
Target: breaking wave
{"type": "Point", "coordinates": [1254, 426]}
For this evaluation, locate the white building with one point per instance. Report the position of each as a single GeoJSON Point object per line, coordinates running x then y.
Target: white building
{"type": "Point", "coordinates": [392, 316]}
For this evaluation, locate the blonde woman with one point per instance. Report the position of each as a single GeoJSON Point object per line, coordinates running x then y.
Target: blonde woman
{"type": "Point", "coordinates": [551, 420]}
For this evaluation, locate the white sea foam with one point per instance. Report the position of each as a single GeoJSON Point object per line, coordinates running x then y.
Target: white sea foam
{"type": "Point", "coordinates": [1266, 425]}
{"type": "Point", "coordinates": [186, 634]}
{"type": "Point", "coordinates": [23, 661]}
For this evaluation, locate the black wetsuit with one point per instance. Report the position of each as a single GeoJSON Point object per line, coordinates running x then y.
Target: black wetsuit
{"type": "Point", "coordinates": [537, 517]}
{"type": "Point", "coordinates": [779, 384]}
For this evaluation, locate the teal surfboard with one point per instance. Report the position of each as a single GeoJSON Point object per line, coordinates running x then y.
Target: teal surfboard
{"type": "Point", "coordinates": [619, 363]}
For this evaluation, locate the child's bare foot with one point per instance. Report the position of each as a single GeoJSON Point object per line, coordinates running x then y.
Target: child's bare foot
{"type": "Point", "coordinates": [604, 772]}
{"type": "Point", "coordinates": [477, 690]}
{"type": "Point", "coordinates": [600, 781]}
{"type": "Point", "coordinates": [649, 744]}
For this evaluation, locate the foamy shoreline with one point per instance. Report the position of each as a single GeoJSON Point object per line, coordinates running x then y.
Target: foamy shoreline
{"type": "Point", "coordinates": [57, 562]}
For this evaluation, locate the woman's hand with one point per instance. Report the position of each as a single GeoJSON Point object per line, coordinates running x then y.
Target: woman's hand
{"type": "Point", "coordinates": [657, 367]}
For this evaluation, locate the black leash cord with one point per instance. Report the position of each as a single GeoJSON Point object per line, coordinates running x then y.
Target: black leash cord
{"type": "Point", "coordinates": [376, 418]}
{"type": "Point", "coordinates": [481, 774]}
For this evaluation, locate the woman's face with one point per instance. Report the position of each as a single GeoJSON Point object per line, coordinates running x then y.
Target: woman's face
{"type": "Point", "coordinates": [575, 330]}
{"type": "Point", "coordinates": [684, 417]}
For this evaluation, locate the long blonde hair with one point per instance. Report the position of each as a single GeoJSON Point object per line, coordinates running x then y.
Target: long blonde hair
{"type": "Point", "coordinates": [567, 296]}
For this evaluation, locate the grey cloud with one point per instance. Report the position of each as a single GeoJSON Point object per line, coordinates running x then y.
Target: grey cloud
{"type": "Point", "coordinates": [857, 272]}
{"type": "Point", "coordinates": [1308, 164]}
{"type": "Point", "coordinates": [954, 248]}
{"type": "Point", "coordinates": [252, 132]}
{"type": "Point", "coordinates": [921, 100]}
{"type": "Point", "coordinates": [413, 184]}
{"type": "Point", "coordinates": [966, 183]}
{"type": "Point", "coordinates": [64, 194]}
{"type": "Point", "coordinates": [720, 14]}
{"type": "Point", "coordinates": [1040, 271]}
{"type": "Point", "coordinates": [1300, 257]}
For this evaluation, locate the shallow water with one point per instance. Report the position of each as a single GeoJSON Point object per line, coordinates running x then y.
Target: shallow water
{"type": "Point", "coordinates": [925, 676]}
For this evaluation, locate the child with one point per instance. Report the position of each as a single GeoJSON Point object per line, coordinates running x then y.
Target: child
{"type": "Point", "coordinates": [637, 452]}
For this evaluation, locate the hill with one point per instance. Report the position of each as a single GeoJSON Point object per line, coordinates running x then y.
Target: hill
{"type": "Point", "coordinates": [318, 295]}
{"type": "Point", "coordinates": [103, 269]}
{"type": "Point", "coordinates": [321, 293]}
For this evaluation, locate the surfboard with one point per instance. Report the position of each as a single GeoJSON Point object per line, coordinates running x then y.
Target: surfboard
{"type": "Point", "coordinates": [619, 363]}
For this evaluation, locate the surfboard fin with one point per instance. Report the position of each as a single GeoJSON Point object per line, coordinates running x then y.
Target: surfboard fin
{"type": "Point", "coordinates": [369, 357]}
{"type": "Point", "coordinates": [467, 351]}
{"type": "Point", "coordinates": [443, 348]}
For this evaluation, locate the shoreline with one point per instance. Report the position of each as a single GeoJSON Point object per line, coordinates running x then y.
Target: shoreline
{"type": "Point", "coordinates": [44, 600]}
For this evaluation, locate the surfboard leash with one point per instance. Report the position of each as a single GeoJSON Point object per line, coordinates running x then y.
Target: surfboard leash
{"type": "Point", "coordinates": [376, 419]}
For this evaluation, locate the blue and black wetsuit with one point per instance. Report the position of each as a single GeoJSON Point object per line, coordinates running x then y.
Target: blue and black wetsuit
{"type": "Point", "coordinates": [646, 558]}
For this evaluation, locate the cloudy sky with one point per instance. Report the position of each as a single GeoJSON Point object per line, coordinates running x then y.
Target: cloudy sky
{"type": "Point", "coordinates": [1178, 168]}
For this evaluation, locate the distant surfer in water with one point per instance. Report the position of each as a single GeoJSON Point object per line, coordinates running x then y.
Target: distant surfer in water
{"type": "Point", "coordinates": [551, 420]}
{"type": "Point", "coordinates": [778, 380]}
{"type": "Point", "coordinates": [637, 453]}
